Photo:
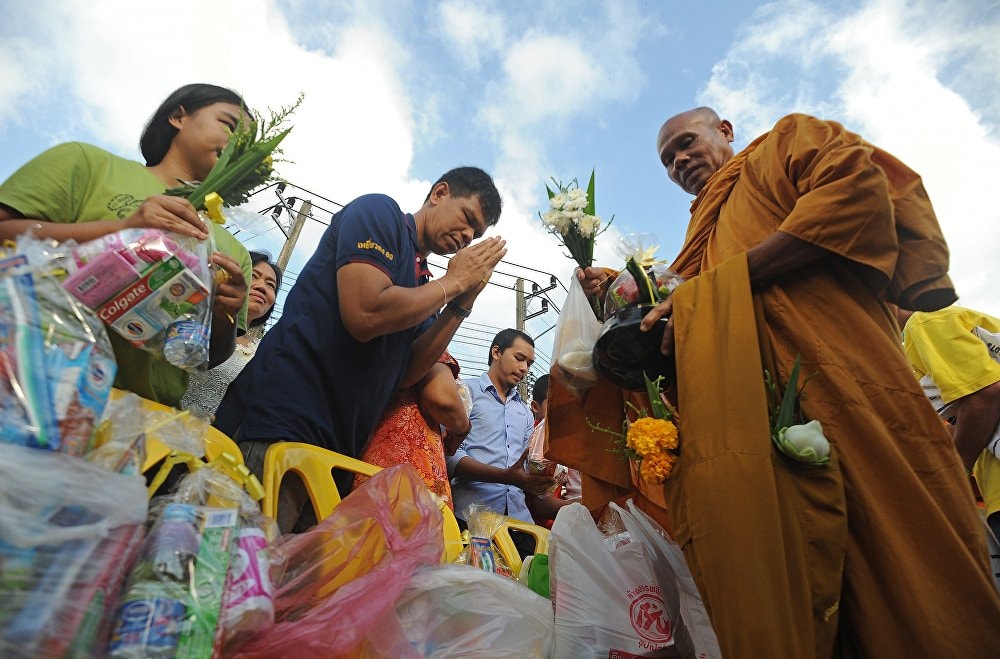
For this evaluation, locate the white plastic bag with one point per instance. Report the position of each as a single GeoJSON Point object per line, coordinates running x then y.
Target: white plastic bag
{"type": "Point", "coordinates": [576, 334]}
{"type": "Point", "coordinates": [694, 633]}
{"type": "Point", "coordinates": [605, 591]}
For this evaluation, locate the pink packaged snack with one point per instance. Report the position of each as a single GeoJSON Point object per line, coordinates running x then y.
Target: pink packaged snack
{"type": "Point", "coordinates": [100, 278]}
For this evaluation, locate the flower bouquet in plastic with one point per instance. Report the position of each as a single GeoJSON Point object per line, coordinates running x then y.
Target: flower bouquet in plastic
{"type": "Point", "coordinates": [623, 352]}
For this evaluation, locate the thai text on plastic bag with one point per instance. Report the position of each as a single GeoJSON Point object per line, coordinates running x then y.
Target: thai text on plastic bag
{"type": "Point", "coordinates": [576, 333]}
{"type": "Point", "coordinates": [344, 575]}
{"type": "Point", "coordinates": [606, 593]}
{"type": "Point", "coordinates": [695, 634]}
{"type": "Point", "coordinates": [58, 365]}
{"type": "Point", "coordinates": [153, 288]}
{"type": "Point", "coordinates": [459, 611]}
{"type": "Point", "coordinates": [68, 532]}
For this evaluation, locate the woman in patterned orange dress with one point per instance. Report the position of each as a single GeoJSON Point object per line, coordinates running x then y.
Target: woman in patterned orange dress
{"type": "Point", "coordinates": [409, 428]}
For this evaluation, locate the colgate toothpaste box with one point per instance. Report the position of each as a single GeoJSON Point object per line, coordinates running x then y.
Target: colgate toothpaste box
{"type": "Point", "coordinates": [145, 308]}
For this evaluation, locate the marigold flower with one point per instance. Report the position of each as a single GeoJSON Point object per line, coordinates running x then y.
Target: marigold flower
{"type": "Point", "coordinates": [649, 436]}
{"type": "Point", "coordinates": [655, 468]}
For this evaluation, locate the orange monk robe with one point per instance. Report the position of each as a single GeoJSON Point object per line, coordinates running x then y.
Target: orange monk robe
{"type": "Point", "coordinates": [881, 552]}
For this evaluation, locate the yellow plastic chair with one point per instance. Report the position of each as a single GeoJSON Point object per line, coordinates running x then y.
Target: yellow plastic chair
{"type": "Point", "coordinates": [315, 465]}
{"type": "Point", "coordinates": [220, 450]}
{"type": "Point", "coordinates": [508, 550]}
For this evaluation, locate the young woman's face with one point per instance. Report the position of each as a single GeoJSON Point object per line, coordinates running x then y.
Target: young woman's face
{"type": "Point", "coordinates": [203, 134]}
{"type": "Point", "coordinates": [263, 290]}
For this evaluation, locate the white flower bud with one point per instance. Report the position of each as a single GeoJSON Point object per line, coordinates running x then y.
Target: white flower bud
{"type": "Point", "coordinates": [805, 443]}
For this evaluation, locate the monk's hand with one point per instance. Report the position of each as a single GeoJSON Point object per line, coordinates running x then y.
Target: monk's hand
{"type": "Point", "coordinates": [168, 214]}
{"type": "Point", "coordinates": [230, 287]}
{"type": "Point", "coordinates": [591, 279]}
{"type": "Point", "coordinates": [536, 484]}
{"type": "Point", "coordinates": [472, 266]}
{"type": "Point", "coordinates": [664, 309]}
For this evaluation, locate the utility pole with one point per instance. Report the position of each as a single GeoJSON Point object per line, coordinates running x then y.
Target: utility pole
{"type": "Point", "coordinates": [520, 313]}
{"type": "Point", "coordinates": [286, 252]}
{"type": "Point", "coordinates": [293, 235]}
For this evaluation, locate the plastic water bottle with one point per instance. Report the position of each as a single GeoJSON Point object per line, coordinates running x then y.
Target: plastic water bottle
{"type": "Point", "coordinates": [186, 344]}
{"type": "Point", "coordinates": [174, 545]}
{"type": "Point", "coordinates": [154, 606]}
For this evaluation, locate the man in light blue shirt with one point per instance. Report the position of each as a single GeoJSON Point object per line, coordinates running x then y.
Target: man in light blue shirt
{"type": "Point", "coordinates": [488, 468]}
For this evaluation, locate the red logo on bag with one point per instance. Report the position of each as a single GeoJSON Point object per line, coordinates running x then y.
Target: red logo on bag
{"type": "Point", "coordinates": [649, 616]}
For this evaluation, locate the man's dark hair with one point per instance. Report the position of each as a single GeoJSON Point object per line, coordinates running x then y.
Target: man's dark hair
{"type": "Point", "coordinates": [469, 181]}
{"type": "Point", "coordinates": [541, 389]}
{"type": "Point", "coordinates": [264, 257]}
{"type": "Point", "coordinates": [158, 134]}
{"type": "Point", "coordinates": [505, 338]}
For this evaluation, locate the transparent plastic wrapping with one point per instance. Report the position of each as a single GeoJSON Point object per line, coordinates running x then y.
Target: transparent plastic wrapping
{"type": "Point", "coordinates": [57, 364]}
{"type": "Point", "coordinates": [344, 575]}
{"type": "Point", "coordinates": [68, 532]}
{"type": "Point", "coordinates": [455, 611]}
{"type": "Point", "coordinates": [151, 287]}
{"type": "Point", "coordinates": [248, 601]}
{"type": "Point", "coordinates": [481, 552]}
{"type": "Point", "coordinates": [173, 598]}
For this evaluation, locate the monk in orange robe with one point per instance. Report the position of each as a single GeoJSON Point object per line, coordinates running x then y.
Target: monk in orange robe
{"type": "Point", "coordinates": [793, 248]}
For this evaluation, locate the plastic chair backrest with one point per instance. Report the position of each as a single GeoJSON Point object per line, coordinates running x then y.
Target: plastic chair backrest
{"type": "Point", "coordinates": [315, 465]}
{"type": "Point", "coordinates": [508, 549]}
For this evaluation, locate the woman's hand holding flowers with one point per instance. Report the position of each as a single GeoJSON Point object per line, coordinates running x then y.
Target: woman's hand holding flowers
{"type": "Point", "coordinates": [168, 213]}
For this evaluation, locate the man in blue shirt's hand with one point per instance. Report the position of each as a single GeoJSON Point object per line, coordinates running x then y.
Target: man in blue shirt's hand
{"type": "Point", "coordinates": [359, 323]}
{"type": "Point", "coordinates": [488, 468]}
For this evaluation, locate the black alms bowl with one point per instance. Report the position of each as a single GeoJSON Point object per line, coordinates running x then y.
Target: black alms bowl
{"type": "Point", "coordinates": [623, 352]}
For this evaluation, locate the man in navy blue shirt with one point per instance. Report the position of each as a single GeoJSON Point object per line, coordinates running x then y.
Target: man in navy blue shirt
{"type": "Point", "coordinates": [488, 468]}
{"type": "Point", "coordinates": [348, 336]}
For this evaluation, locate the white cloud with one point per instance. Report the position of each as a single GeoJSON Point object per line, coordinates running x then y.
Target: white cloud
{"type": "Point", "coordinates": [910, 77]}
{"type": "Point", "coordinates": [471, 31]}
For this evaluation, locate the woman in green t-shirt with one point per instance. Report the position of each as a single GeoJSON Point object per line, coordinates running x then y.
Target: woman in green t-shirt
{"type": "Point", "coordinates": [81, 192]}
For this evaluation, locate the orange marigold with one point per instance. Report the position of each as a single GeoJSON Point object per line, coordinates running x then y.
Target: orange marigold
{"type": "Point", "coordinates": [655, 468]}
{"type": "Point", "coordinates": [649, 436]}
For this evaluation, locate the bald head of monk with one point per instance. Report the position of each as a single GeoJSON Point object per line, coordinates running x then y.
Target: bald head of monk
{"type": "Point", "coordinates": [693, 145]}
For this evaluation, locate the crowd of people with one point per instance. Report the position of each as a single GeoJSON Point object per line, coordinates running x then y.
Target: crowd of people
{"type": "Point", "coordinates": [799, 249]}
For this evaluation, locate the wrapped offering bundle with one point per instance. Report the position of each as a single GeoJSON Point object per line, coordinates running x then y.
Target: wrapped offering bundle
{"type": "Point", "coordinates": [58, 363]}
{"type": "Point", "coordinates": [153, 288]}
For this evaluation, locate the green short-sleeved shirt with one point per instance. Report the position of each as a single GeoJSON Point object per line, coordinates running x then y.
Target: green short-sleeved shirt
{"type": "Point", "coordinates": [76, 182]}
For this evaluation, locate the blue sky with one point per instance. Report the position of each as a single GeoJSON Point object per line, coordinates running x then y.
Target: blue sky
{"type": "Point", "coordinates": [397, 92]}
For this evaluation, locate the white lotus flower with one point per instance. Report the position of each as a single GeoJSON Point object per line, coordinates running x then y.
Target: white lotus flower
{"type": "Point", "coordinates": [805, 443]}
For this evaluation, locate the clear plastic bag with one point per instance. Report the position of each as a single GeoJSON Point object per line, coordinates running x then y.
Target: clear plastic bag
{"type": "Point", "coordinates": [58, 363]}
{"type": "Point", "coordinates": [153, 288]}
{"type": "Point", "coordinates": [576, 333]}
{"type": "Point", "coordinates": [482, 553]}
{"type": "Point", "coordinates": [68, 532]}
{"type": "Point", "coordinates": [343, 576]}
{"type": "Point", "coordinates": [173, 598]}
{"type": "Point", "coordinates": [455, 611]}
{"type": "Point", "coordinates": [248, 600]}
